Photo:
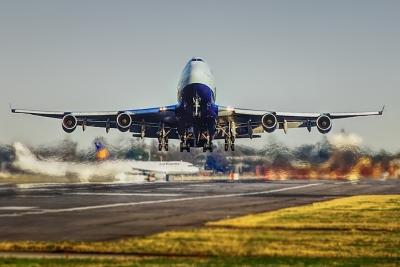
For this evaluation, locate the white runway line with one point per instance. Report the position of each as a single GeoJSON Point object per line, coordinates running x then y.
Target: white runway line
{"type": "Point", "coordinates": [170, 188]}
{"type": "Point", "coordinates": [47, 211]}
{"type": "Point", "coordinates": [17, 208]}
{"type": "Point", "coordinates": [346, 182]}
{"type": "Point", "coordinates": [42, 185]}
{"type": "Point", "coordinates": [124, 194]}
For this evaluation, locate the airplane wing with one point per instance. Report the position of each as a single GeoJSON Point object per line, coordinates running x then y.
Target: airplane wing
{"type": "Point", "coordinates": [248, 122]}
{"type": "Point", "coordinates": [142, 122]}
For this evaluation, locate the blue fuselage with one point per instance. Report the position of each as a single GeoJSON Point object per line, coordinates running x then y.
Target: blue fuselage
{"type": "Point", "coordinates": [197, 112]}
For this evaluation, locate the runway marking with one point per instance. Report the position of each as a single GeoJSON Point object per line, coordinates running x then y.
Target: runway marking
{"type": "Point", "coordinates": [43, 185]}
{"type": "Point", "coordinates": [124, 194]}
{"type": "Point", "coordinates": [114, 205]}
{"type": "Point", "coordinates": [35, 196]}
{"type": "Point", "coordinates": [170, 188]}
{"type": "Point", "coordinates": [17, 208]}
{"type": "Point", "coordinates": [345, 182]}
{"type": "Point", "coordinates": [201, 185]}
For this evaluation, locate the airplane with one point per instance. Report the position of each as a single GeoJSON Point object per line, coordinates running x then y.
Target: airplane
{"type": "Point", "coordinates": [196, 120]}
{"type": "Point", "coordinates": [26, 161]}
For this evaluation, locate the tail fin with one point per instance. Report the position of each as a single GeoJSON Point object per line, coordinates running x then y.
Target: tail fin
{"type": "Point", "coordinates": [22, 152]}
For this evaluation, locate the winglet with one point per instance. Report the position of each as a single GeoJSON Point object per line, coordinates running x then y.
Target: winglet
{"type": "Point", "coordinates": [382, 110]}
{"type": "Point", "coordinates": [11, 108]}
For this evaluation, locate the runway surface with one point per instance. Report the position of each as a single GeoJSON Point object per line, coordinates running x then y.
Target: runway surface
{"type": "Point", "coordinates": [112, 211]}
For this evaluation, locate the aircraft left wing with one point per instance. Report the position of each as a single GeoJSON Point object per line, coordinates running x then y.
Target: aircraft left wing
{"type": "Point", "coordinates": [247, 122]}
{"type": "Point", "coordinates": [142, 122]}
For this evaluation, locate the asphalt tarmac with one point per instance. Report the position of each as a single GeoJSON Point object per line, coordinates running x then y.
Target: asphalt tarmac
{"type": "Point", "coordinates": [92, 212]}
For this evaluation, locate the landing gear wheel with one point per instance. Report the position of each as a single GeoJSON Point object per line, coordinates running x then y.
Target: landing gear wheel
{"type": "Point", "coordinates": [204, 148]}
{"type": "Point", "coordinates": [188, 149]}
{"type": "Point", "coordinates": [226, 147]}
{"type": "Point", "coordinates": [159, 147]}
{"type": "Point", "coordinates": [181, 147]}
{"type": "Point", "coordinates": [166, 147]}
{"type": "Point", "coordinates": [233, 147]}
{"type": "Point", "coordinates": [211, 148]}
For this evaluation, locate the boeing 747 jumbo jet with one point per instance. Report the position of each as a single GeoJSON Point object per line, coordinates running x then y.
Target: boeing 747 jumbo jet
{"type": "Point", "coordinates": [196, 120]}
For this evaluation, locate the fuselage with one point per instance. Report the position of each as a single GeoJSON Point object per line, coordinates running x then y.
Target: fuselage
{"type": "Point", "coordinates": [196, 111]}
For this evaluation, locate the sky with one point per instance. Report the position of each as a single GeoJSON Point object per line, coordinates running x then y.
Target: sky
{"type": "Point", "coordinates": [314, 56]}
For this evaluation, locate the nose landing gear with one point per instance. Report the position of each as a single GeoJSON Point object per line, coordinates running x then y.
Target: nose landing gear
{"type": "Point", "coordinates": [196, 106]}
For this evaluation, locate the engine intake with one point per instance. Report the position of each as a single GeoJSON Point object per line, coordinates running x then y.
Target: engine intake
{"type": "Point", "coordinates": [324, 124]}
{"type": "Point", "coordinates": [124, 121]}
{"type": "Point", "coordinates": [69, 123]}
{"type": "Point", "coordinates": [269, 122]}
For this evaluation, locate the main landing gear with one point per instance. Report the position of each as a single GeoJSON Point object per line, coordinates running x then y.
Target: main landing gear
{"type": "Point", "coordinates": [163, 139]}
{"type": "Point", "coordinates": [184, 145]}
{"type": "Point", "coordinates": [230, 137]}
{"type": "Point", "coordinates": [229, 143]}
{"type": "Point", "coordinates": [208, 145]}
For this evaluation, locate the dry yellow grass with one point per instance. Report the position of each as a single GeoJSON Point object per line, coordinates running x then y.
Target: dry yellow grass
{"type": "Point", "coordinates": [351, 213]}
{"type": "Point", "coordinates": [362, 226]}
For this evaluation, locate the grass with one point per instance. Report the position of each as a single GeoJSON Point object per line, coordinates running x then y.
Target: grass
{"type": "Point", "coordinates": [189, 262]}
{"type": "Point", "coordinates": [354, 231]}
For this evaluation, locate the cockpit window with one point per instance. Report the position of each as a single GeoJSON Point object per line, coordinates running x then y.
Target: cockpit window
{"type": "Point", "coordinates": [197, 59]}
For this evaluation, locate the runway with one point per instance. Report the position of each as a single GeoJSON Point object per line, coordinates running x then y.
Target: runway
{"type": "Point", "coordinates": [92, 212]}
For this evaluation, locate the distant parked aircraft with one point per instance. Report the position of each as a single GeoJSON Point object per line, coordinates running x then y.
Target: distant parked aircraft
{"type": "Point", "coordinates": [25, 160]}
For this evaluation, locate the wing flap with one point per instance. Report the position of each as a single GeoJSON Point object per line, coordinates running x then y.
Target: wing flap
{"type": "Point", "coordinates": [245, 119]}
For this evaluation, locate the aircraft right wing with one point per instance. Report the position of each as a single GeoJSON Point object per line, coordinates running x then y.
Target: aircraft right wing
{"type": "Point", "coordinates": [247, 122]}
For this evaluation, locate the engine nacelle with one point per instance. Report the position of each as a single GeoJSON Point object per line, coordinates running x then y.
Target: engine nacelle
{"type": "Point", "coordinates": [269, 122]}
{"type": "Point", "coordinates": [69, 123]}
{"type": "Point", "coordinates": [324, 124]}
{"type": "Point", "coordinates": [124, 121]}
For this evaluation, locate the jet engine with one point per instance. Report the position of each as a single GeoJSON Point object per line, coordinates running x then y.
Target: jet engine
{"type": "Point", "coordinates": [324, 124]}
{"type": "Point", "coordinates": [124, 121]}
{"type": "Point", "coordinates": [69, 123]}
{"type": "Point", "coordinates": [269, 122]}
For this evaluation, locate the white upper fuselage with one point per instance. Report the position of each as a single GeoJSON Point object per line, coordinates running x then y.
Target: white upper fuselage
{"type": "Point", "coordinates": [196, 71]}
